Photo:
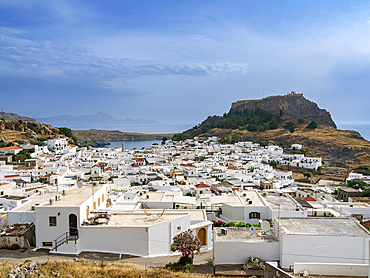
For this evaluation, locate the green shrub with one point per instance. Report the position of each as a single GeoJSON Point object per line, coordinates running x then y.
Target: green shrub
{"type": "Point", "coordinates": [187, 268]}
{"type": "Point", "coordinates": [185, 260]}
{"type": "Point", "coordinates": [312, 125]}
{"type": "Point", "coordinates": [241, 224]}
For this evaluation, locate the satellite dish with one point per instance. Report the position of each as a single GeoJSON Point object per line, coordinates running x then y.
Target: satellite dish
{"type": "Point", "coordinates": [252, 230]}
{"type": "Point", "coordinates": [80, 184]}
{"type": "Point", "coordinates": [265, 226]}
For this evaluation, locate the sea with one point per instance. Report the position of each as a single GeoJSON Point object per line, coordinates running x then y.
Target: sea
{"type": "Point", "coordinates": [363, 128]}
{"type": "Point", "coordinates": [130, 144]}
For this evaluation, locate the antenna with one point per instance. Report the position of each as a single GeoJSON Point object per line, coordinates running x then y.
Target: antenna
{"type": "Point", "coordinates": [265, 226]}
{"type": "Point", "coordinates": [80, 184]}
{"type": "Point", "coordinates": [252, 230]}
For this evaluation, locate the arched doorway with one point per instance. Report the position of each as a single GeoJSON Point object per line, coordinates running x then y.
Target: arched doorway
{"type": "Point", "coordinates": [73, 225]}
{"type": "Point", "coordinates": [202, 236]}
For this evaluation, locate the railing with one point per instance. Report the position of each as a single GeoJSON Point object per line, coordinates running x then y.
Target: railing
{"type": "Point", "coordinates": [64, 238]}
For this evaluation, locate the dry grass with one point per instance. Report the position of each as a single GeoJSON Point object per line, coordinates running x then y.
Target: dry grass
{"type": "Point", "coordinates": [318, 141]}
{"type": "Point", "coordinates": [83, 269]}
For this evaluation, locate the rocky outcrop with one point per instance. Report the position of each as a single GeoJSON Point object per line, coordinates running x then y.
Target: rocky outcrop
{"type": "Point", "coordinates": [291, 106]}
{"type": "Point", "coordinates": [15, 117]}
{"type": "Point", "coordinates": [22, 132]}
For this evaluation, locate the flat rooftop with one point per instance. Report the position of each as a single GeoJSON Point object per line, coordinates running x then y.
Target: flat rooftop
{"type": "Point", "coordinates": [322, 226]}
{"type": "Point", "coordinates": [280, 202]}
{"type": "Point", "coordinates": [35, 200]}
{"type": "Point", "coordinates": [139, 219]}
{"type": "Point", "coordinates": [244, 198]}
{"type": "Point", "coordinates": [243, 235]}
{"type": "Point", "coordinates": [75, 197]}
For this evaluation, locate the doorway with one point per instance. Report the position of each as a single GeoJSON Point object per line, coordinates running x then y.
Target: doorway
{"type": "Point", "coordinates": [73, 225]}
{"type": "Point", "coordinates": [202, 236]}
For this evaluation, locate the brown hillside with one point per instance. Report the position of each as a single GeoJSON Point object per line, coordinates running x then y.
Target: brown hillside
{"type": "Point", "coordinates": [338, 148]}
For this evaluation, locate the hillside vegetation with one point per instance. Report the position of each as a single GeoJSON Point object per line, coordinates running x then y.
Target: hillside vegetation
{"type": "Point", "coordinates": [286, 120]}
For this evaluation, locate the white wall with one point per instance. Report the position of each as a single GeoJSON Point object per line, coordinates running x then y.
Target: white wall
{"type": "Point", "coordinates": [46, 233]}
{"type": "Point", "coordinates": [120, 240]}
{"type": "Point", "coordinates": [332, 269]}
{"type": "Point", "coordinates": [341, 249]}
{"type": "Point", "coordinates": [238, 252]}
{"type": "Point", "coordinates": [161, 234]}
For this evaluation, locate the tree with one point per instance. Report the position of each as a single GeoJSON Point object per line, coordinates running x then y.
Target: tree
{"type": "Point", "coordinates": [307, 174]}
{"type": "Point", "coordinates": [252, 127]}
{"type": "Point", "coordinates": [357, 184]}
{"type": "Point", "coordinates": [204, 129]}
{"type": "Point", "coordinates": [312, 125]}
{"type": "Point", "coordinates": [273, 163]}
{"type": "Point", "coordinates": [366, 193]}
{"type": "Point", "coordinates": [273, 125]}
{"type": "Point", "coordinates": [68, 132]}
{"type": "Point", "coordinates": [187, 244]}
{"type": "Point", "coordinates": [290, 126]}
{"type": "Point", "coordinates": [301, 120]}
{"type": "Point", "coordinates": [164, 139]}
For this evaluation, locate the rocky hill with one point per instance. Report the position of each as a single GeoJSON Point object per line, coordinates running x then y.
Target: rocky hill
{"type": "Point", "coordinates": [291, 106]}
{"type": "Point", "coordinates": [285, 108]}
{"type": "Point", "coordinates": [24, 132]}
{"type": "Point", "coordinates": [15, 117]}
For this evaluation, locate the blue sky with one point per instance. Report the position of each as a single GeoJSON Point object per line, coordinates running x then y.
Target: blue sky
{"type": "Point", "coordinates": [180, 61]}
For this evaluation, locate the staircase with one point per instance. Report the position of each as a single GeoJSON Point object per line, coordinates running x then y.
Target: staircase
{"type": "Point", "coordinates": [65, 238]}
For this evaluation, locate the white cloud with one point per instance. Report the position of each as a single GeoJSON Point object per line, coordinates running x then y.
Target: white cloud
{"type": "Point", "coordinates": [31, 58]}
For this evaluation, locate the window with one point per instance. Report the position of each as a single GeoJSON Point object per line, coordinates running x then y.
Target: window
{"type": "Point", "coordinates": [102, 198]}
{"type": "Point", "coordinates": [255, 215]}
{"type": "Point", "coordinates": [87, 212]}
{"type": "Point", "coordinates": [94, 205]}
{"type": "Point", "coordinates": [52, 220]}
{"type": "Point", "coordinates": [179, 228]}
{"type": "Point", "coordinates": [99, 202]}
{"type": "Point", "coordinates": [47, 244]}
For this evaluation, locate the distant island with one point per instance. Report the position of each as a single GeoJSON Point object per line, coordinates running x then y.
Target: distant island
{"type": "Point", "coordinates": [93, 120]}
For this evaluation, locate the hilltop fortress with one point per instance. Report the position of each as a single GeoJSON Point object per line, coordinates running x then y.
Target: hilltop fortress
{"type": "Point", "coordinates": [291, 106]}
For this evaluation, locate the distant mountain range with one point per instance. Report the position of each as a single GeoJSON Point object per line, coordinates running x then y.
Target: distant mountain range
{"type": "Point", "coordinates": [98, 119]}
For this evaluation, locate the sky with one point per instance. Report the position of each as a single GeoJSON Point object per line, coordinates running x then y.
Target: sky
{"type": "Point", "coordinates": [178, 62]}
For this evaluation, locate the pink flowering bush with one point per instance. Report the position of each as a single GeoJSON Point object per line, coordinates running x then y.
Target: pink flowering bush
{"type": "Point", "coordinates": [186, 243]}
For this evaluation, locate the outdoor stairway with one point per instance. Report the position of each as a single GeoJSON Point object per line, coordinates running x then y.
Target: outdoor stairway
{"type": "Point", "coordinates": [65, 238]}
